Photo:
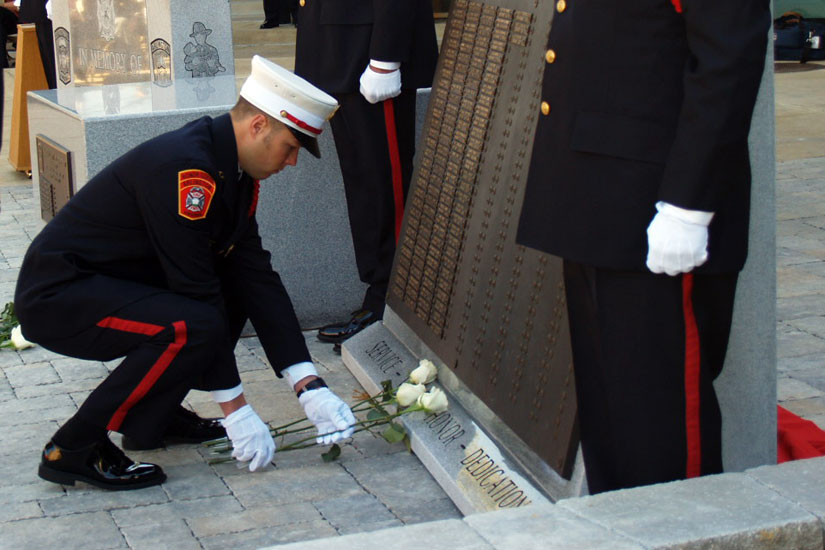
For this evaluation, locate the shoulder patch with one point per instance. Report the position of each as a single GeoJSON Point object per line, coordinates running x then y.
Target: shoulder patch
{"type": "Point", "coordinates": [195, 191]}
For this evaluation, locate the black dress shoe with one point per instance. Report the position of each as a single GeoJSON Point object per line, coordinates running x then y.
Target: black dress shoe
{"type": "Point", "coordinates": [184, 427]}
{"type": "Point", "coordinates": [335, 334]}
{"type": "Point", "coordinates": [100, 464]}
{"type": "Point", "coordinates": [268, 24]}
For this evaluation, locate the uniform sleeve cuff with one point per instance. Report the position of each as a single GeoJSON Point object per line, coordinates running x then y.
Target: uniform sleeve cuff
{"type": "Point", "coordinates": [222, 396]}
{"type": "Point", "coordinates": [299, 371]}
{"type": "Point", "coordinates": [386, 65]}
{"type": "Point", "coordinates": [697, 217]}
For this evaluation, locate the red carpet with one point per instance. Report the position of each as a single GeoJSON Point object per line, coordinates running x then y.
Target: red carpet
{"type": "Point", "coordinates": [797, 438]}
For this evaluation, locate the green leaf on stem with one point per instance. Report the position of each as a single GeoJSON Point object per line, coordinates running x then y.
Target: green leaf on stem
{"type": "Point", "coordinates": [394, 433]}
{"type": "Point", "coordinates": [333, 453]}
{"type": "Point", "coordinates": [408, 443]}
{"type": "Point", "coordinates": [377, 414]}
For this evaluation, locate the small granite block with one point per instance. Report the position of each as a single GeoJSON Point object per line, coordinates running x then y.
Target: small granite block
{"type": "Point", "coordinates": [292, 485]}
{"type": "Point", "coordinates": [84, 498]}
{"type": "Point", "coordinates": [94, 531]}
{"type": "Point", "coordinates": [728, 511]}
{"type": "Point", "coordinates": [451, 533]}
{"type": "Point", "coordinates": [253, 518]}
{"type": "Point", "coordinates": [353, 510]}
{"type": "Point", "coordinates": [71, 370]}
{"type": "Point", "coordinates": [403, 485]}
{"type": "Point", "coordinates": [545, 527]}
{"type": "Point", "coordinates": [193, 481]}
{"type": "Point", "coordinates": [201, 510]}
{"type": "Point", "coordinates": [800, 481]}
{"type": "Point", "coordinates": [19, 510]}
{"type": "Point", "coordinates": [31, 375]}
{"type": "Point", "coordinates": [169, 534]}
{"type": "Point", "coordinates": [258, 538]}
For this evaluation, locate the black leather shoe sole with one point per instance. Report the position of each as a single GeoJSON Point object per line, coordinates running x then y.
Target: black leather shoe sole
{"type": "Point", "coordinates": [69, 478]}
{"type": "Point", "coordinates": [335, 334]}
{"type": "Point", "coordinates": [268, 25]}
{"type": "Point", "coordinates": [130, 444]}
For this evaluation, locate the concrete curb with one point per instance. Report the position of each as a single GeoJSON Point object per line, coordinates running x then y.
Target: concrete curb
{"type": "Point", "coordinates": [770, 507]}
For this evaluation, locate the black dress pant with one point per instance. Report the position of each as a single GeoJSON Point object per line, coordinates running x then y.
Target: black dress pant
{"type": "Point", "coordinates": [376, 145]}
{"type": "Point", "coordinates": [280, 11]}
{"type": "Point", "coordinates": [171, 344]}
{"type": "Point", "coordinates": [646, 349]}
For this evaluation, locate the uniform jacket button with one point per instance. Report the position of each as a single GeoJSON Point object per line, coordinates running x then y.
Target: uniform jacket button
{"type": "Point", "coordinates": [302, 3]}
{"type": "Point", "coordinates": [550, 56]}
{"type": "Point", "coordinates": [561, 5]}
{"type": "Point", "coordinates": [545, 108]}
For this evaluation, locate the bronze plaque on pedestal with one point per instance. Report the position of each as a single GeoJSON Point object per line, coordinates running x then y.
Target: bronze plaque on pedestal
{"type": "Point", "coordinates": [491, 310]}
{"type": "Point", "coordinates": [54, 165]}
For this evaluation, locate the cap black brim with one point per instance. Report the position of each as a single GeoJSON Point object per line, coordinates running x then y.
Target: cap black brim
{"type": "Point", "coordinates": [307, 142]}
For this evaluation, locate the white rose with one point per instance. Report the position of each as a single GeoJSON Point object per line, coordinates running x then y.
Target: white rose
{"type": "Point", "coordinates": [408, 393]}
{"type": "Point", "coordinates": [434, 401]}
{"type": "Point", "coordinates": [425, 373]}
{"type": "Point", "coordinates": [17, 339]}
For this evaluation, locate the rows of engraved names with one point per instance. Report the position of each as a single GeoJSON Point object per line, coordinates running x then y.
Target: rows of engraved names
{"type": "Point", "coordinates": [472, 54]}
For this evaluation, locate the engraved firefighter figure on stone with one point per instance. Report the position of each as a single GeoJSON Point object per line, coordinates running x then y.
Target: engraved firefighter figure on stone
{"type": "Point", "coordinates": [201, 58]}
{"type": "Point", "coordinates": [106, 19]}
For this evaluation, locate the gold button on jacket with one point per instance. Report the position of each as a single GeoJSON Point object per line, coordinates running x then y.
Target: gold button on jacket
{"type": "Point", "coordinates": [550, 56]}
{"type": "Point", "coordinates": [561, 5]}
{"type": "Point", "coordinates": [545, 108]}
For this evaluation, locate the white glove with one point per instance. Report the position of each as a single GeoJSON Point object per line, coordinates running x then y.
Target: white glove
{"type": "Point", "coordinates": [331, 416]}
{"type": "Point", "coordinates": [250, 438]}
{"type": "Point", "coordinates": [377, 86]}
{"type": "Point", "coordinates": [677, 239]}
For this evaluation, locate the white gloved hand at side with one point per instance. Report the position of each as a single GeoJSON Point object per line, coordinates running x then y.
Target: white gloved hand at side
{"type": "Point", "coordinates": [677, 239]}
{"type": "Point", "coordinates": [331, 416]}
{"type": "Point", "coordinates": [251, 440]}
{"type": "Point", "coordinates": [377, 86]}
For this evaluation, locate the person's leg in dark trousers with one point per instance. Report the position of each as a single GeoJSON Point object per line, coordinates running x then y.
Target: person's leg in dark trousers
{"type": "Point", "coordinates": [375, 145]}
{"type": "Point", "coordinates": [171, 345]}
{"type": "Point", "coordinates": [270, 14]}
{"type": "Point", "coordinates": [646, 349]}
{"type": "Point", "coordinates": [8, 26]}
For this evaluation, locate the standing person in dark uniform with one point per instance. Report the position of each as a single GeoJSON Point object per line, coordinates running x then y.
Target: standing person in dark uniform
{"type": "Point", "coordinates": [640, 181]}
{"type": "Point", "coordinates": [371, 56]}
{"type": "Point", "coordinates": [158, 258]}
{"type": "Point", "coordinates": [37, 12]}
{"type": "Point", "coordinates": [271, 10]}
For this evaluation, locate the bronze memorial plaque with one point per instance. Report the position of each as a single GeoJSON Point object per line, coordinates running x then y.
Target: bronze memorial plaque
{"type": "Point", "coordinates": [108, 42]}
{"type": "Point", "coordinates": [54, 165]}
{"type": "Point", "coordinates": [491, 310]}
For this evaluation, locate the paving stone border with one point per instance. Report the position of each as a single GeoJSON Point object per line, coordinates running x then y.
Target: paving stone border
{"type": "Point", "coordinates": [778, 507]}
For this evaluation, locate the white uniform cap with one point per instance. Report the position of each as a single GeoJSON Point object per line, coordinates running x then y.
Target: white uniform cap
{"type": "Point", "coordinates": [290, 99]}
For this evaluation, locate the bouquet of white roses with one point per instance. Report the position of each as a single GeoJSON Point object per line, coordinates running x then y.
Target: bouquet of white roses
{"type": "Point", "coordinates": [381, 410]}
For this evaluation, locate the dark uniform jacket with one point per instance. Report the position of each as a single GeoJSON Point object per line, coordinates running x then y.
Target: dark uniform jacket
{"type": "Point", "coordinates": [644, 104]}
{"type": "Point", "coordinates": [174, 214]}
{"type": "Point", "coordinates": [337, 39]}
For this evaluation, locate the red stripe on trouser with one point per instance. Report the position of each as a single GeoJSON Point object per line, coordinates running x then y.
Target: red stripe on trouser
{"type": "Point", "coordinates": [129, 326]}
{"type": "Point", "coordinates": [692, 373]}
{"type": "Point", "coordinates": [155, 371]}
{"type": "Point", "coordinates": [395, 162]}
{"type": "Point", "coordinates": [677, 4]}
